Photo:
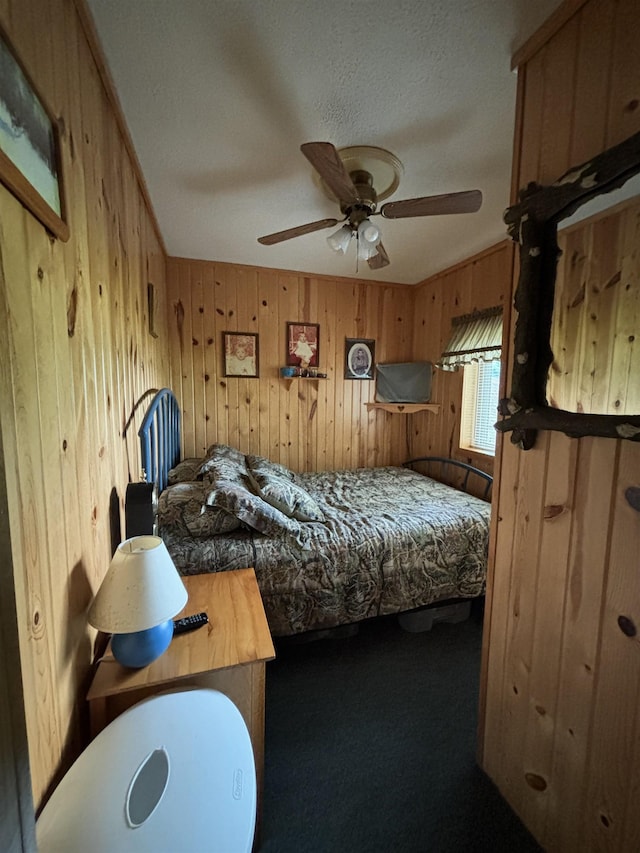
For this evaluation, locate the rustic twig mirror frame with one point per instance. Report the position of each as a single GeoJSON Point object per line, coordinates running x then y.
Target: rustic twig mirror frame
{"type": "Point", "coordinates": [533, 224]}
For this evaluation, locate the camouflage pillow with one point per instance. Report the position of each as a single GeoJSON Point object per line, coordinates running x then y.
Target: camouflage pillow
{"type": "Point", "coordinates": [262, 465]}
{"type": "Point", "coordinates": [182, 509]}
{"type": "Point", "coordinates": [225, 450]}
{"type": "Point", "coordinates": [184, 472]}
{"type": "Point", "coordinates": [287, 496]}
{"type": "Point", "coordinates": [252, 510]}
{"type": "Point", "coordinates": [223, 462]}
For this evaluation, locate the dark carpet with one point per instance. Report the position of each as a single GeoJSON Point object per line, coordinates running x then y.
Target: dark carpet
{"type": "Point", "coordinates": [370, 746]}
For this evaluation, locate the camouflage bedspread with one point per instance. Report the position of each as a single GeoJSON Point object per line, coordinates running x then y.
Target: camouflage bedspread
{"type": "Point", "coordinates": [393, 540]}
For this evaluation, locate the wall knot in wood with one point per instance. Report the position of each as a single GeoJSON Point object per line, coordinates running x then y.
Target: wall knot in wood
{"type": "Point", "coordinates": [632, 494]}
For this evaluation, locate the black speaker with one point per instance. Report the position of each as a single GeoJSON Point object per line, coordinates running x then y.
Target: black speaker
{"type": "Point", "coordinates": [140, 509]}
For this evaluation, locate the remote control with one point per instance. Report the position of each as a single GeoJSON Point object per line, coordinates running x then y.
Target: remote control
{"type": "Point", "coordinates": [189, 623]}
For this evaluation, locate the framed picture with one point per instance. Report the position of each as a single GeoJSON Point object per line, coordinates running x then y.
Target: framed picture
{"type": "Point", "coordinates": [151, 307]}
{"type": "Point", "coordinates": [29, 145]}
{"type": "Point", "coordinates": [359, 357]}
{"type": "Point", "coordinates": [303, 344]}
{"type": "Point", "coordinates": [240, 351]}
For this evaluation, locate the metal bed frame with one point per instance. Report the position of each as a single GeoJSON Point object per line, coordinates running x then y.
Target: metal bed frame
{"type": "Point", "coordinates": [160, 446]}
{"type": "Point", "coordinates": [160, 438]}
{"type": "Point", "coordinates": [455, 463]}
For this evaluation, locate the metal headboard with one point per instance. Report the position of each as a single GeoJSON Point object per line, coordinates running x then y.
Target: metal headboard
{"type": "Point", "coordinates": [469, 470]}
{"type": "Point", "coordinates": [160, 438]}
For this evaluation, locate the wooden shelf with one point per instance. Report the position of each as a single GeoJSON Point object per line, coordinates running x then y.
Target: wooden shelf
{"type": "Point", "coordinates": [290, 379]}
{"type": "Point", "coordinates": [405, 408]}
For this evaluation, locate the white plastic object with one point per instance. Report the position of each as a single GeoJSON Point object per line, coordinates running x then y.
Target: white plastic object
{"type": "Point", "coordinates": [174, 772]}
{"type": "Point", "coordinates": [340, 241]}
{"type": "Point", "coordinates": [368, 232]}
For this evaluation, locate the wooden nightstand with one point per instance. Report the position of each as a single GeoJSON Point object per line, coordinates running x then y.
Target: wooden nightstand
{"type": "Point", "coordinates": [228, 654]}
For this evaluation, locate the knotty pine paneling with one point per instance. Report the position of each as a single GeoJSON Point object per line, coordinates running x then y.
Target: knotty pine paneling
{"type": "Point", "coordinates": [561, 680]}
{"type": "Point", "coordinates": [482, 281]}
{"type": "Point", "coordinates": [597, 315]}
{"type": "Point", "coordinates": [75, 357]}
{"type": "Point", "coordinates": [309, 425]}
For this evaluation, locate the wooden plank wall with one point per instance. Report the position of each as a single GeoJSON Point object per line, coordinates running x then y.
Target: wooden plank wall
{"type": "Point", "coordinates": [597, 315]}
{"type": "Point", "coordinates": [320, 425]}
{"type": "Point", "coordinates": [75, 356]}
{"type": "Point", "coordinates": [309, 425]}
{"type": "Point", "coordinates": [482, 281]}
{"type": "Point", "coordinates": [561, 704]}
{"type": "Point", "coordinates": [17, 826]}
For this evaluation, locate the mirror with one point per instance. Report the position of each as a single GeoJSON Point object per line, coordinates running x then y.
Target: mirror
{"type": "Point", "coordinates": [596, 312]}
{"type": "Point", "coordinates": [598, 354]}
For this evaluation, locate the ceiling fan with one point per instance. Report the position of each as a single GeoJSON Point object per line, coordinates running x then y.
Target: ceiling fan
{"type": "Point", "coordinates": [358, 178]}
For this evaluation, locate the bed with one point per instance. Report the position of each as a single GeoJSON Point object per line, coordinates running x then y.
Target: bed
{"type": "Point", "coordinates": [329, 549]}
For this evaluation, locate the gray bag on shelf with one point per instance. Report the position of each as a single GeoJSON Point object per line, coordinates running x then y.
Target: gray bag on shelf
{"type": "Point", "coordinates": [408, 382]}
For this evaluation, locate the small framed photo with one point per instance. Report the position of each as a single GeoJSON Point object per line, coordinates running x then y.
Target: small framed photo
{"type": "Point", "coordinates": [29, 145]}
{"type": "Point", "coordinates": [151, 308]}
{"type": "Point", "coordinates": [359, 358]}
{"type": "Point", "coordinates": [240, 350]}
{"type": "Point", "coordinates": [303, 345]}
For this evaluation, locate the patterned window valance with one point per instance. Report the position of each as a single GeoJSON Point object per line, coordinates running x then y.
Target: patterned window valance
{"type": "Point", "coordinates": [474, 337]}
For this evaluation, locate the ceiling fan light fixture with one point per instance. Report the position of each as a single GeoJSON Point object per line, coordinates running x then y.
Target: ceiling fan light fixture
{"type": "Point", "coordinates": [366, 250]}
{"type": "Point", "coordinates": [341, 240]}
{"type": "Point", "coordinates": [368, 233]}
{"type": "Point", "coordinates": [358, 178]}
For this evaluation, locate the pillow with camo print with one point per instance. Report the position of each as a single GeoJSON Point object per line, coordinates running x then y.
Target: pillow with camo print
{"type": "Point", "coordinates": [287, 496]}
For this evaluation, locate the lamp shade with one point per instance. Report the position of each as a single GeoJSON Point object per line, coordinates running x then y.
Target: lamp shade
{"type": "Point", "coordinates": [368, 232]}
{"type": "Point", "coordinates": [339, 241]}
{"type": "Point", "coordinates": [368, 239]}
{"type": "Point", "coordinates": [141, 590]}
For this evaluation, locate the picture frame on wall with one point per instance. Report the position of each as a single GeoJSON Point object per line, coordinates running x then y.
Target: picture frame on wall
{"type": "Point", "coordinates": [359, 358]}
{"type": "Point", "coordinates": [240, 354]}
{"type": "Point", "coordinates": [151, 308]}
{"type": "Point", "coordinates": [303, 345]}
{"type": "Point", "coordinates": [30, 163]}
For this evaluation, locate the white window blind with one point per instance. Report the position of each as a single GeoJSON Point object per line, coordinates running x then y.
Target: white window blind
{"type": "Point", "coordinates": [480, 392]}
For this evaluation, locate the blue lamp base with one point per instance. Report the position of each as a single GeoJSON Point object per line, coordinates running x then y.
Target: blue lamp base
{"type": "Point", "coordinates": [140, 648]}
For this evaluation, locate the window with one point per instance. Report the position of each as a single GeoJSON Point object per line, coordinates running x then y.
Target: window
{"type": "Point", "coordinates": [480, 392]}
{"type": "Point", "coordinates": [475, 346]}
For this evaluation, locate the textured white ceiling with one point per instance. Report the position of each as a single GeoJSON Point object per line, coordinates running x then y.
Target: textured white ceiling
{"type": "Point", "coordinates": [220, 94]}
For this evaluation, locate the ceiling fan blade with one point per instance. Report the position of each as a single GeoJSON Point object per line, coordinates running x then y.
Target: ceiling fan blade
{"type": "Point", "coordinates": [298, 231]}
{"type": "Point", "coordinates": [325, 159]}
{"type": "Point", "coordinates": [380, 260]}
{"type": "Point", "coordinates": [433, 205]}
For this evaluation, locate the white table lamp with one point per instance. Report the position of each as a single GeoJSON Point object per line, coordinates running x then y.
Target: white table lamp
{"type": "Point", "coordinates": [137, 600]}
